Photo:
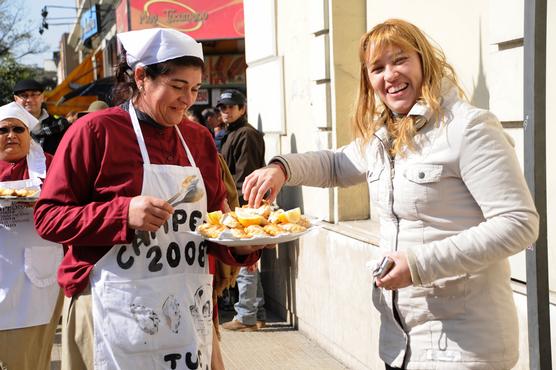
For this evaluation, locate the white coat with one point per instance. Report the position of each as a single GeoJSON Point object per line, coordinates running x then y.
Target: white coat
{"type": "Point", "coordinates": [459, 207]}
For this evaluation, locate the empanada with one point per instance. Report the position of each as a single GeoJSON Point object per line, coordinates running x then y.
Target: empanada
{"type": "Point", "coordinates": [293, 228]}
{"type": "Point", "coordinates": [211, 231]}
{"type": "Point", "coordinates": [255, 230]}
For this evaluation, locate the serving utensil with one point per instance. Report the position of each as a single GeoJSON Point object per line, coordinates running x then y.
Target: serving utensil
{"type": "Point", "coordinates": [189, 192]}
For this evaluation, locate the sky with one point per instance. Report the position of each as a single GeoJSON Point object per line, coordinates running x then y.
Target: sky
{"type": "Point", "coordinates": [51, 36]}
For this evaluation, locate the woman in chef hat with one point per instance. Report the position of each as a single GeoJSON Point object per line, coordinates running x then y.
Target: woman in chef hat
{"type": "Point", "coordinates": [30, 299]}
{"type": "Point", "coordinates": [137, 284]}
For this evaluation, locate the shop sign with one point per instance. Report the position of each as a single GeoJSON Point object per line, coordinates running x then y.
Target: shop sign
{"type": "Point", "coordinates": [90, 23]}
{"type": "Point", "coordinates": [201, 19]}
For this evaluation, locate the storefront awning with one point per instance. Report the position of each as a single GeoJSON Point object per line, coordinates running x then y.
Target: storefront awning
{"type": "Point", "coordinates": [81, 75]}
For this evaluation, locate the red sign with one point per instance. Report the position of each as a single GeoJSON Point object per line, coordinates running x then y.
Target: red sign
{"type": "Point", "coordinates": [122, 17]}
{"type": "Point", "coordinates": [201, 19]}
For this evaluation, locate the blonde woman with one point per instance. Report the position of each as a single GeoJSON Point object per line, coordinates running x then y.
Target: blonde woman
{"type": "Point", "coordinates": [452, 201]}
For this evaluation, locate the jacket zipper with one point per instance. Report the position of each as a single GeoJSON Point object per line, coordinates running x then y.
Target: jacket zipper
{"type": "Point", "coordinates": [391, 195]}
{"type": "Point", "coordinates": [391, 198]}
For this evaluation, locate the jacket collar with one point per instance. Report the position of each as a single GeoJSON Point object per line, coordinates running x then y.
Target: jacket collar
{"type": "Point", "coordinates": [240, 122]}
{"type": "Point", "coordinates": [422, 114]}
{"type": "Point", "coordinates": [382, 134]}
{"type": "Point", "coordinates": [143, 117]}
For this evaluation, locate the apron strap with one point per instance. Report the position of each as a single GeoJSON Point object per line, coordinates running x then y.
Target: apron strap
{"type": "Point", "coordinates": [189, 156]}
{"type": "Point", "coordinates": [139, 134]}
{"type": "Point", "coordinates": [141, 139]}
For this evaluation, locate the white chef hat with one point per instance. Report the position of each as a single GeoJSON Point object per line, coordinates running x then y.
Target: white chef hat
{"type": "Point", "coordinates": [14, 110]}
{"type": "Point", "coordinates": [36, 160]}
{"type": "Point", "coordinates": [155, 45]}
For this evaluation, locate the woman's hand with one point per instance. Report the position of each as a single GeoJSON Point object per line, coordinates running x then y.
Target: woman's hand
{"type": "Point", "coordinates": [400, 276]}
{"type": "Point", "coordinates": [248, 249]}
{"type": "Point", "coordinates": [148, 213]}
{"type": "Point", "coordinates": [259, 182]}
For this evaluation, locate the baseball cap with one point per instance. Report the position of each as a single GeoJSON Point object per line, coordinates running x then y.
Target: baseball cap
{"type": "Point", "coordinates": [25, 85]}
{"type": "Point", "coordinates": [231, 97]}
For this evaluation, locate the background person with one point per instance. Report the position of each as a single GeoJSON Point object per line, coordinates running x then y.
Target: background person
{"type": "Point", "coordinates": [93, 107]}
{"type": "Point", "coordinates": [452, 200]}
{"type": "Point", "coordinates": [213, 120]}
{"type": "Point", "coordinates": [48, 133]}
{"type": "Point", "coordinates": [243, 145]}
{"type": "Point", "coordinates": [137, 284]}
{"type": "Point", "coordinates": [243, 150]}
{"type": "Point", "coordinates": [30, 298]}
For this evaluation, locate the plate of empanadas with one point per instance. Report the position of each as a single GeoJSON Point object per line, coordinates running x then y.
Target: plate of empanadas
{"type": "Point", "coordinates": [254, 226]}
{"type": "Point", "coordinates": [20, 191]}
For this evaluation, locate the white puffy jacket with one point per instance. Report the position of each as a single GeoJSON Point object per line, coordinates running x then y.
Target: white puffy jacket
{"type": "Point", "coordinates": [459, 206]}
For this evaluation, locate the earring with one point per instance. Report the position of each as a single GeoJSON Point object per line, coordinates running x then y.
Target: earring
{"type": "Point", "coordinates": [141, 89]}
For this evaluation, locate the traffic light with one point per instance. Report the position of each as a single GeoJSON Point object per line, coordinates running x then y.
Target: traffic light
{"type": "Point", "coordinates": [44, 25]}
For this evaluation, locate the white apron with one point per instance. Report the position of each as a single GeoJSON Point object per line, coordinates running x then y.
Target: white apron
{"type": "Point", "coordinates": [152, 299]}
{"type": "Point", "coordinates": [28, 265]}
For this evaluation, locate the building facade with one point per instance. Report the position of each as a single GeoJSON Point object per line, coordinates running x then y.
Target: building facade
{"type": "Point", "coordinates": [90, 51]}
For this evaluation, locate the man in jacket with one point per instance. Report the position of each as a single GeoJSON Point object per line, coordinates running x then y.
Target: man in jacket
{"type": "Point", "coordinates": [49, 131]}
{"type": "Point", "coordinates": [243, 150]}
{"type": "Point", "coordinates": [242, 146]}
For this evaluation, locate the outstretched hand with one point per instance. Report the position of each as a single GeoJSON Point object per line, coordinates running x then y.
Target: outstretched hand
{"type": "Point", "coordinates": [259, 182]}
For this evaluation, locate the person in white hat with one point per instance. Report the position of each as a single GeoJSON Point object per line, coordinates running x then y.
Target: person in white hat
{"type": "Point", "coordinates": [138, 285]}
{"type": "Point", "coordinates": [30, 298]}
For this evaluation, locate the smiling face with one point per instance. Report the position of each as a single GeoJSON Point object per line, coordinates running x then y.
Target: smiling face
{"type": "Point", "coordinates": [396, 77]}
{"type": "Point", "coordinates": [166, 97]}
{"type": "Point", "coordinates": [15, 140]}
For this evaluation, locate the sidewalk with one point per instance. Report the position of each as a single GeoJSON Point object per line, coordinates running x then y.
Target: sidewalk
{"type": "Point", "coordinates": [278, 346]}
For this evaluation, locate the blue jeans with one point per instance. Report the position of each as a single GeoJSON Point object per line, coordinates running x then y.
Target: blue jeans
{"type": "Point", "coordinates": [250, 305]}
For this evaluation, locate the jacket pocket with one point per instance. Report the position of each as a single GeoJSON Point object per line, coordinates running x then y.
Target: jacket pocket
{"type": "Point", "coordinates": [424, 173]}
{"type": "Point", "coordinates": [417, 188]}
{"type": "Point", "coordinates": [374, 174]}
{"type": "Point", "coordinates": [375, 188]}
{"type": "Point", "coordinates": [41, 264]}
{"type": "Point", "coordinates": [444, 299]}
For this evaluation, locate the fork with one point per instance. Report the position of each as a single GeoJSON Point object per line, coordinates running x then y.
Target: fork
{"type": "Point", "coordinates": [189, 194]}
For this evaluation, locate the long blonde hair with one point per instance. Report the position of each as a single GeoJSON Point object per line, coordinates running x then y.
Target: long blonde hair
{"type": "Point", "coordinates": [370, 112]}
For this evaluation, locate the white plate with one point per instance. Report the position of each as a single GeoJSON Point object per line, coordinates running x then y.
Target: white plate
{"type": "Point", "coordinates": [13, 198]}
{"type": "Point", "coordinates": [256, 240]}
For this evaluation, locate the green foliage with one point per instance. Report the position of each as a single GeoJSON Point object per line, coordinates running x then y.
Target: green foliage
{"type": "Point", "coordinates": [10, 73]}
